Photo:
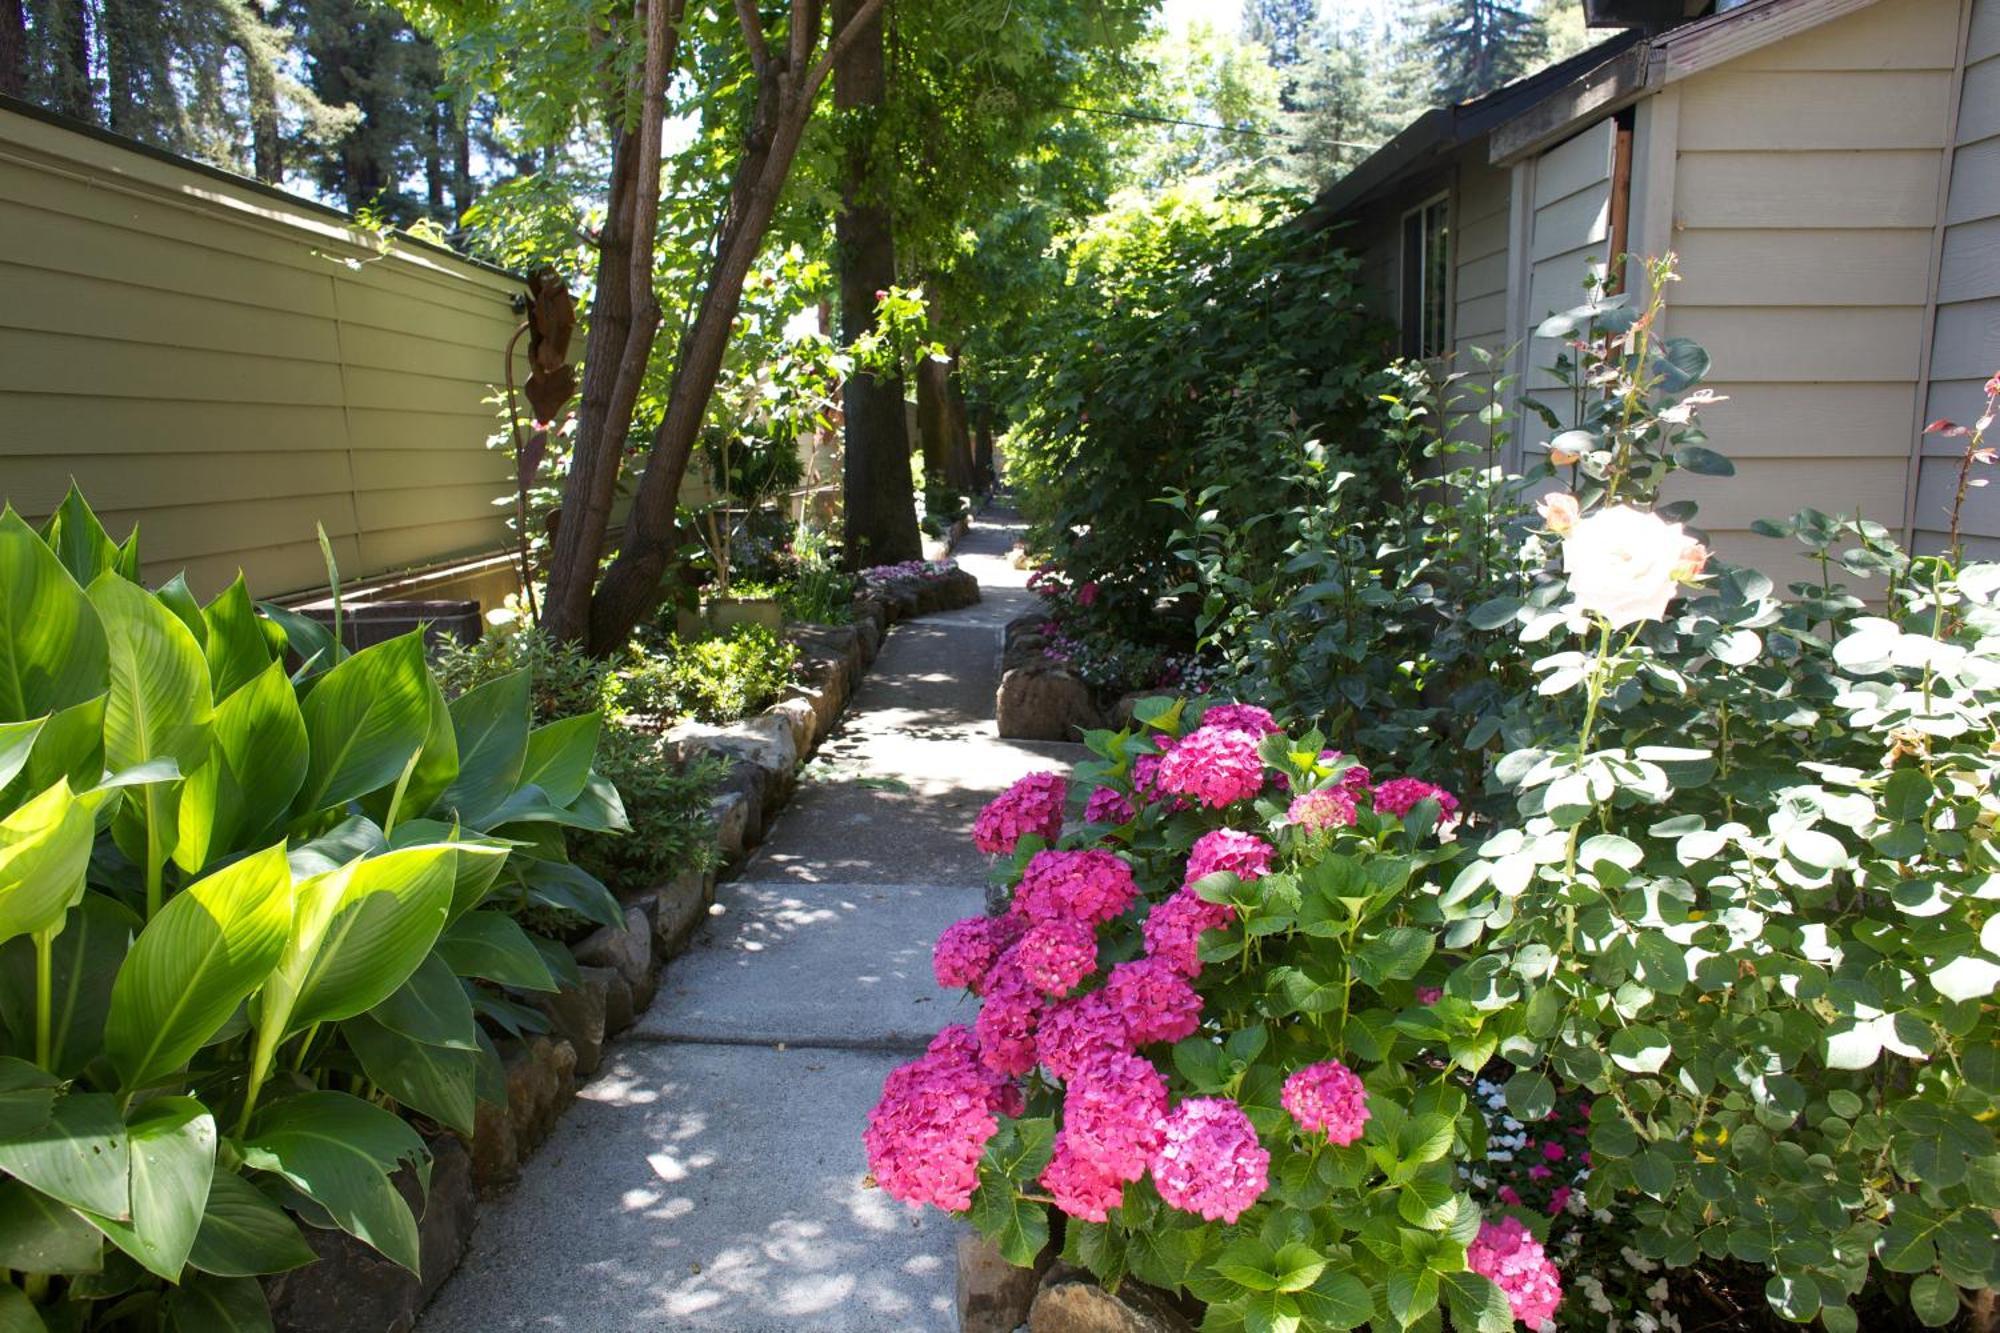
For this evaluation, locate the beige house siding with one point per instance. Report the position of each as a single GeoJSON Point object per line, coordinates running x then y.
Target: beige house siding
{"type": "Point", "coordinates": [227, 368]}
{"type": "Point", "coordinates": [1568, 242]}
{"type": "Point", "coordinates": [1965, 348]}
{"type": "Point", "coordinates": [1805, 189]}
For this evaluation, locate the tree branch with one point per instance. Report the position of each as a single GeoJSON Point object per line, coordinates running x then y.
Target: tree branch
{"type": "Point", "coordinates": [804, 34]}
{"type": "Point", "coordinates": [753, 35]}
{"type": "Point", "coordinates": [843, 39]}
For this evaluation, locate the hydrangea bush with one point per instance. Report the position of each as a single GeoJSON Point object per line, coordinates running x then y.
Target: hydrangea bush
{"type": "Point", "coordinates": [1716, 926]}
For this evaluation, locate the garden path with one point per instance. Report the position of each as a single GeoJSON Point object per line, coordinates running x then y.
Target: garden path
{"type": "Point", "coordinates": [711, 1176]}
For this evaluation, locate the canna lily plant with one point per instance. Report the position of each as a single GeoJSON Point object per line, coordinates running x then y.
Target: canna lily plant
{"type": "Point", "coordinates": [254, 898]}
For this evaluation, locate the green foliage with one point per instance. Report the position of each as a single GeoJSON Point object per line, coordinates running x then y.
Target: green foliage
{"type": "Point", "coordinates": [668, 803]}
{"type": "Point", "coordinates": [711, 680]}
{"type": "Point", "coordinates": [1192, 335]}
{"type": "Point", "coordinates": [223, 887]}
{"type": "Point", "coordinates": [1731, 879]}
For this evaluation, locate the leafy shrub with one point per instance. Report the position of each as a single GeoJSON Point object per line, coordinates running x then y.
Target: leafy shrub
{"type": "Point", "coordinates": [1729, 882]}
{"type": "Point", "coordinates": [667, 803]}
{"type": "Point", "coordinates": [1190, 334]}
{"type": "Point", "coordinates": [817, 591]}
{"type": "Point", "coordinates": [246, 885]}
{"type": "Point", "coordinates": [719, 679]}
{"type": "Point", "coordinates": [568, 682]}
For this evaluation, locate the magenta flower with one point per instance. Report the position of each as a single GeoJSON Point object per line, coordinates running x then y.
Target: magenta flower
{"type": "Point", "coordinates": [1209, 1161]}
{"type": "Point", "coordinates": [925, 1136]}
{"type": "Point", "coordinates": [1108, 805]}
{"type": "Point", "coordinates": [1112, 1111]}
{"type": "Point", "coordinates": [1154, 999]}
{"type": "Point", "coordinates": [1327, 1098]}
{"type": "Point", "coordinates": [1173, 929]}
{"type": "Point", "coordinates": [1355, 780]}
{"type": "Point", "coordinates": [1399, 796]}
{"type": "Point", "coordinates": [1081, 1187]}
{"type": "Point", "coordinates": [968, 949]}
{"type": "Point", "coordinates": [1146, 775]}
{"type": "Point", "coordinates": [1032, 805]}
{"type": "Point", "coordinates": [1429, 994]}
{"type": "Point", "coordinates": [1006, 1022]}
{"type": "Point", "coordinates": [1055, 956]}
{"type": "Point", "coordinates": [1075, 1032]}
{"type": "Point", "coordinates": [1241, 717]}
{"type": "Point", "coordinates": [1087, 594]}
{"type": "Point", "coordinates": [1322, 809]}
{"type": "Point", "coordinates": [1089, 886]}
{"type": "Point", "coordinates": [1214, 766]}
{"type": "Point", "coordinates": [1244, 855]}
{"type": "Point", "coordinates": [1508, 1254]}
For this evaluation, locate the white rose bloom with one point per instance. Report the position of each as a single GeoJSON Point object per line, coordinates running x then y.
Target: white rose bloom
{"type": "Point", "coordinates": [1622, 563]}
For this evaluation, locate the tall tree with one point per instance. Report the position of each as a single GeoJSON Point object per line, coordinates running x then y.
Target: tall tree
{"type": "Point", "coordinates": [880, 511]}
{"type": "Point", "coordinates": [1474, 46]}
{"type": "Point", "coordinates": [1290, 31]}
{"type": "Point", "coordinates": [13, 48]}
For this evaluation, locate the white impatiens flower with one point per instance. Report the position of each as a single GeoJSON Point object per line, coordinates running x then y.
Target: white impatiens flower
{"type": "Point", "coordinates": [1624, 564]}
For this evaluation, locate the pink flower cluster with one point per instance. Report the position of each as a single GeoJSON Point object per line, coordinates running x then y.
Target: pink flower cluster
{"type": "Point", "coordinates": [1034, 805]}
{"type": "Point", "coordinates": [1209, 1161]}
{"type": "Point", "coordinates": [1108, 805]}
{"type": "Point", "coordinates": [1113, 1108]}
{"type": "Point", "coordinates": [1399, 796]}
{"type": "Point", "coordinates": [1327, 1098]}
{"type": "Point", "coordinates": [1241, 717]}
{"type": "Point", "coordinates": [1090, 886]}
{"type": "Point", "coordinates": [1322, 809]}
{"type": "Point", "coordinates": [1173, 929]}
{"type": "Point", "coordinates": [1508, 1254]}
{"type": "Point", "coordinates": [968, 949]}
{"type": "Point", "coordinates": [925, 1136]}
{"type": "Point", "coordinates": [1055, 956]}
{"type": "Point", "coordinates": [1244, 855]}
{"type": "Point", "coordinates": [1213, 766]}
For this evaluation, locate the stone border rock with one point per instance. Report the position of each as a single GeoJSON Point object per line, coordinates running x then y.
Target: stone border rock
{"type": "Point", "coordinates": [1040, 698]}
{"type": "Point", "coordinates": [355, 1290]}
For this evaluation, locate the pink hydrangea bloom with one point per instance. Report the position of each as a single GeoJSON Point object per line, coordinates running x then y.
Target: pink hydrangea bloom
{"type": "Point", "coordinates": [1112, 1111]}
{"type": "Point", "coordinates": [1429, 994]}
{"type": "Point", "coordinates": [1146, 775]}
{"type": "Point", "coordinates": [1090, 886]}
{"type": "Point", "coordinates": [1559, 1199]}
{"type": "Point", "coordinates": [1055, 956]}
{"type": "Point", "coordinates": [1209, 1161]}
{"type": "Point", "coordinates": [1075, 1032]}
{"type": "Point", "coordinates": [1323, 809]}
{"type": "Point", "coordinates": [1006, 1022]}
{"type": "Point", "coordinates": [1242, 717]}
{"type": "Point", "coordinates": [1214, 766]}
{"type": "Point", "coordinates": [967, 950]}
{"type": "Point", "coordinates": [1173, 929]}
{"type": "Point", "coordinates": [1244, 855]}
{"type": "Point", "coordinates": [926, 1134]}
{"type": "Point", "coordinates": [1327, 1098]}
{"type": "Point", "coordinates": [1508, 1253]}
{"type": "Point", "coordinates": [1154, 999]}
{"type": "Point", "coordinates": [1399, 796]}
{"type": "Point", "coordinates": [1081, 1187]}
{"type": "Point", "coordinates": [1108, 805]}
{"type": "Point", "coordinates": [1355, 779]}
{"type": "Point", "coordinates": [1032, 805]}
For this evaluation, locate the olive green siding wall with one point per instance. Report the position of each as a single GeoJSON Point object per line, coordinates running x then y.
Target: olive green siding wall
{"type": "Point", "coordinates": [227, 368]}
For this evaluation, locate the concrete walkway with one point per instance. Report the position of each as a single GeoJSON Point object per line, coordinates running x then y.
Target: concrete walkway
{"type": "Point", "coordinates": [711, 1176]}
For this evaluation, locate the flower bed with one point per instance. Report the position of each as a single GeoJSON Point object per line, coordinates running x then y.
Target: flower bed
{"type": "Point", "coordinates": [1691, 967]}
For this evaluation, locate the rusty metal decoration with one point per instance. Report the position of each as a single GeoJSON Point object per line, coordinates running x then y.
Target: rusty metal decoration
{"type": "Point", "coordinates": [551, 318]}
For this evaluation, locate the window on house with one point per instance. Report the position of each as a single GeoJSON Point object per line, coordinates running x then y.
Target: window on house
{"type": "Point", "coordinates": [1426, 277]}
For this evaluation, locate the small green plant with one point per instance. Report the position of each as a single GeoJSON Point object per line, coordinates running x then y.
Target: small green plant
{"type": "Point", "coordinates": [667, 803]}
{"type": "Point", "coordinates": [711, 680]}
{"type": "Point", "coordinates": [819, 591]}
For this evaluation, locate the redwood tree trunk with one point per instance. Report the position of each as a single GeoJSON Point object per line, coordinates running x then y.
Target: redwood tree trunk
{"type": "Point", "coordinates": [72, 82]}
{"type": "Point", "coordinates": [934, 419]}
{"type": "Point", "coordinates": [959, 468]}
{"type": "Point", "coordinates": [13, 47]}
{"type": "Point", "coordinates": [881, 516]}
{"type": "Point", "coordinates": [982, 448]}
{"type": "Point", "coordinates": [266, 147]}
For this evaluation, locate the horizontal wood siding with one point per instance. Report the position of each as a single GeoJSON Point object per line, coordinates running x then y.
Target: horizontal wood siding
{"type": "Point", "coordinates": [1480, 201]}
{"type": "Point", "coordinates": [1965, 349]}
{"type": "Point", "coordinates": [227, 369]}
{"type": "Point", "coordinates": [1568, 240]}
{"type": "Point", "coordinates": [1805, 213]}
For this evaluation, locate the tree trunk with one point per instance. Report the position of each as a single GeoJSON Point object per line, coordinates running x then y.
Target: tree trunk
{"type": "Point", "coordinates": [266, 148]}
{"type": "Point", "coordinates": [72, 77]}
{"type": "Point", "coordinates": [434, 123]}
{"type": "Point", "coordinates": [934, 420]}
{"type": "Point", "coordinates": [982, 449]}
{"type": "Point", "coordinates": [13, 48]}
{"type": "Point", "coordinates": [880, 506]}
{"type": "Point", "coordinates": [961, 471]}
{"type": "Point", "coordinates": [462, 190]}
